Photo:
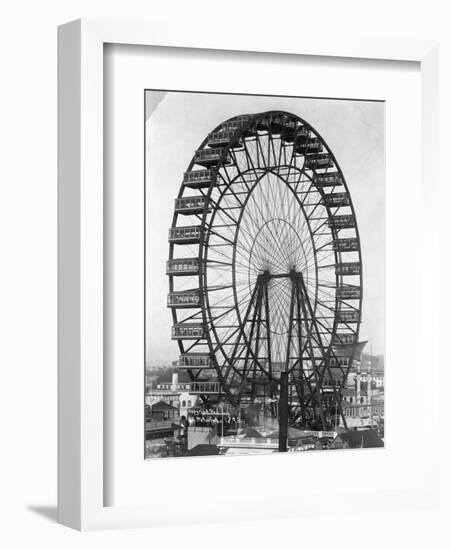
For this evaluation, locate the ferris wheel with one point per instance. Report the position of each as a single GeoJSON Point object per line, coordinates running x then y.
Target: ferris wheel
{"type": "Point", "coordinates": [265, 271]}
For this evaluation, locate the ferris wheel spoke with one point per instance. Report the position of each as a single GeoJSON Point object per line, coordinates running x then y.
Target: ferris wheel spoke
{"type": "Point", "coordinates": [192, 316]}
{"type": "Point", "coordinates": [229, 257]}
{"type": "Point", "coordinates": [325, 245]}
{"type": "Point", "coordinates": [250, 163]}
{"type": "Point", "coordinates": [218, 304]}
{"type": "Point", "coordinates": [272, 250]}
{"type": "Point", "coordinates": [252, 215]}
{"type": "Point", "coordinates": [229, 187]}
{"type": "Point", "coordinates": [325, 295]}
{"type": "Point", "coordinates": [246, 238]}
{"type": "Point", "coordinates": [274, 236]}
{"type": "Point", "coordinates": [274, 154]}
{"type": "Point", "coordinates": [242, 293]}
{"type": "Point", "coordinates": [326, 256]}
{"type": "Point", "coordinates": [281, 148]}
{"type": "Point", "coordinates": [261, 152]}
{"type": "Point", "coordinates": [277, 232]}
{"type": "Point", "coordinates": [292, 158]}
{"type": "Point", "coordinates": [223, 211]}
{"type": "Point", "coordinates": [238, 165]}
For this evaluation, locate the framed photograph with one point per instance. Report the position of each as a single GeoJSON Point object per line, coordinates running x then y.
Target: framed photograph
{"type": "Point", "coordinates": [232, 282]}
{"type": "Point", "coordinates": [255, 339]}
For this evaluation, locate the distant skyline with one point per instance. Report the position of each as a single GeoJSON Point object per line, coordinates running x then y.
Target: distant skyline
{"type": "Point", "coordinates": [176, 125]}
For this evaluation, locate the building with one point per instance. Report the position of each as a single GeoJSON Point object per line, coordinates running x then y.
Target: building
{"type": "Point", "coordinates": [162, 412]}
{"type": "Point", "coordinates": [370, 370]}
{"type": "Point", "coordinates": [161, 420]}
{"type": "Point", "coordinates": [175, 393]}
{"type": "Point", "coordinates": [351, 396]}
{"type": "Point", "coordinates": [162, 429]}
{"type": "Point", "coordinates": [362, 409]}
{"type": "Point", "coordinates": [186, 402]}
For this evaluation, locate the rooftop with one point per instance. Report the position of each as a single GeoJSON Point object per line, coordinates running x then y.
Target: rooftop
{"type": "Point", "coordinates": [204, 450]}
{"type": "Point", "coordinates": [362, 438]}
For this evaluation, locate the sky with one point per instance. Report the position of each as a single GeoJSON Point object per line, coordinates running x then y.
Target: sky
{"type": "Point", "coordinates": [176, 125]}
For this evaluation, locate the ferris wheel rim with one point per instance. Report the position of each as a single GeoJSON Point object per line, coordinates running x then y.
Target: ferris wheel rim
{"type": "Point", "coordinates": [204, 287]}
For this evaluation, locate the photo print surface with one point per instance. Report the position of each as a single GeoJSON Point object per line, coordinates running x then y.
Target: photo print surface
{"type": "Point", "coordinates": [265, 274]}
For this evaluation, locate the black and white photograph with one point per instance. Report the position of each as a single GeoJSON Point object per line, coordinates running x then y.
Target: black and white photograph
{"type": "Point", "coordinates": [264, 274]}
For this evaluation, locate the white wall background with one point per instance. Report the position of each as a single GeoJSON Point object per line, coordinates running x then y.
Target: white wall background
{"type": "Point", "coordinates": [28, 266]}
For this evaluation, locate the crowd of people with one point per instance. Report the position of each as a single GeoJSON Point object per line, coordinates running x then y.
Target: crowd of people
{"type": "Point", "coordinates": [209, 419]}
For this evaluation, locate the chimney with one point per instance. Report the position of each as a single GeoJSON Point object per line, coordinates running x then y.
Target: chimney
{"type": "Point", "coordinates": [174, 381]}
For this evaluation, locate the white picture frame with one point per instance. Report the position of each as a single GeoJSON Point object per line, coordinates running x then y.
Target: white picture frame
{"type": "Point", "coordinates": [81, 483]}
